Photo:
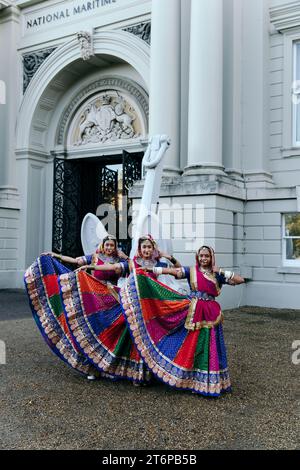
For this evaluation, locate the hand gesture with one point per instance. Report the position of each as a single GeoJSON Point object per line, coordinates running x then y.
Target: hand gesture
{"type": "Point", "coordinates": [161, 254]}
{"type": "Point", "coordinates": [122, 255]}
{"type": "Point", "coordinates": [82, 268]}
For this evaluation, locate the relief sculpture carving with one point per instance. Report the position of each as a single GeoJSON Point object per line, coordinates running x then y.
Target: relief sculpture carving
{"type": "Point", "coordinates": [86, 44]}
{"type": "Point", "coordinates": [108, 121]}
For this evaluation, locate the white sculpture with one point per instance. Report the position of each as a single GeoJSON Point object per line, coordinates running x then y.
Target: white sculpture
{"type": "Point", "coordinates": [92, 231]}
{"type": "Point", "coordinates": [86, 44]}
{"type": "Point", "coordinates": [148, 211]}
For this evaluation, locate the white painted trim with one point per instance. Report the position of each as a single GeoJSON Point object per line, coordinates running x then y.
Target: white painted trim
{"type": "Point", "coordinates": [288, 78]}
{"type": "Point", "coordinates": [296, 106]}
{"type": "Point", "coordinates": [286, 16]}
{"type": "Point", "coordinates": [286, 262]}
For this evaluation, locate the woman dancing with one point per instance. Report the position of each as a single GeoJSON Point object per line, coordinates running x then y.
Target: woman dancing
{"type": "Point", "coordinates": [96, 319]}
{"type": "Point", "coordinates": [180, 337]}
{"type": "Point", "coordinates": [45, 297]}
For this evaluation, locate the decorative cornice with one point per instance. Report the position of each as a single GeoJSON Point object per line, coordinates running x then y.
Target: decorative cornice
{"type": "Point", "coordinates": [10, 13]}
{"type": "Point", "coordinates": [286, 17]}
{"type": "Point", "coordinates": [4, 4]}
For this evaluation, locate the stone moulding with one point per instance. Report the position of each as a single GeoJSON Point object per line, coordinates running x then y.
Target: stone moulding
{"type": "Point", "coordinates": [285, 17]}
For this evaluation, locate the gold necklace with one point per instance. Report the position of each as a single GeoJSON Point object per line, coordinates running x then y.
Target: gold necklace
{"type": "Point", "coordinates": [208, 273]}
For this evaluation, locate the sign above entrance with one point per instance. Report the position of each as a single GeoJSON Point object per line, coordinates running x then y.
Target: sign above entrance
{"type": "Point", "coordinates": [67, 11]}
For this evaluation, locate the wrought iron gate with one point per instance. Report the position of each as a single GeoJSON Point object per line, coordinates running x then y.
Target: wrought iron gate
{"type": "Point", "coordinates": [132, 171]}
{"type": "Point", "coordinates": [81, 186]}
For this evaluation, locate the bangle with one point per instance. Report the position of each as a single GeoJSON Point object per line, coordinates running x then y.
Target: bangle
{"type": "Point", "coordinates": [157, 271]}
{"type": "Point", "coordinates": [228, 275]}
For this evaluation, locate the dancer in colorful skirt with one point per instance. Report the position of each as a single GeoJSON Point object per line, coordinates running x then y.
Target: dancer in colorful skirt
{"type": "Point", "coordinates": [46, 301]}
{"type": "Point", "coordinates": [95, 317]}
{"type": "Point", "coordinates": [180, 337]}
{"type": "Point", "coordinates": [96, 320]}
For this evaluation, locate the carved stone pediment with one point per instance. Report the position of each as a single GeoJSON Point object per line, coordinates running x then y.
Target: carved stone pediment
{"type": "Point", "coordinates": [106, 118]}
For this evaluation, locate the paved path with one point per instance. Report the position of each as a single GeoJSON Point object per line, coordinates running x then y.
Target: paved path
{"type": "Point", "coordinates": [44, 404]}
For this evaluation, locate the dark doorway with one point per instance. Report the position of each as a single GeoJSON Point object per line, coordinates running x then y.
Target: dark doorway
{"type": "Point", "coordinates": [84, 185]}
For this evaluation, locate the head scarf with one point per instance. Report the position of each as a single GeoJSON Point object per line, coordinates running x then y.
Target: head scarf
{"type": "Point", "coordinates": [100, 248]}
{"type": "Point", "coordinates": [212, 254]}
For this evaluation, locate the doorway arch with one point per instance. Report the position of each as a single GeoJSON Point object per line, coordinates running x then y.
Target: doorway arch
{"type": "Point", "coordinates": [44, 103]}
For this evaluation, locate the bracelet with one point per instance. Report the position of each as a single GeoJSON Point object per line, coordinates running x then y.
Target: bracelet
{"type": "Point", "coordinates": [157, 271]}
{"type": "Point", "coordinates": [228, 275]}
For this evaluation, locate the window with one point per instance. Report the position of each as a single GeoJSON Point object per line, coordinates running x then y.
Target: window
{"type": "Point", "coordinates": [291, 239]}
{"type": "Point", "coordinates": [296, 95]}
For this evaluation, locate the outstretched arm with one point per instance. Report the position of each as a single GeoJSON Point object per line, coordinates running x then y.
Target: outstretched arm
{"type": "Point", "coordinates": [64, 259]}
{"type": "Point", "coordinates": [176, 272]}
{"type": "Point", "coordinates": [117, 267]}
{"type": "Point", "coordinates": [170, 258]}
{"type": "Point", "coordinates": [231, 278]}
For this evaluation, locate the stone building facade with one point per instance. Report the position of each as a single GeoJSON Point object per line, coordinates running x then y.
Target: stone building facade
{"type": "Point", "coordinates": [83, 84]}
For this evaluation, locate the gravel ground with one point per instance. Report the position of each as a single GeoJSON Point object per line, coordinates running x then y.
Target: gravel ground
{"type": "Point", "coordinates": [44, 404]}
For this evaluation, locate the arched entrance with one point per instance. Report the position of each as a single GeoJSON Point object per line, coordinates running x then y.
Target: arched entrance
{"type": "Point", "coordinates": [61, 121]}
{"type": "Point", "coordinates": [96, 172]}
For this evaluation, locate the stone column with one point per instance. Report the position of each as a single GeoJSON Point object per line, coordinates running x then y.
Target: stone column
{"type": "Point", "coordinates": [10, 87]}
{"type": "Point", "coordinates": [256, 92]}
{"type": "Point", "coordinates": [206, 88]}
{"type": "Point", "coordinates": [164, 114]}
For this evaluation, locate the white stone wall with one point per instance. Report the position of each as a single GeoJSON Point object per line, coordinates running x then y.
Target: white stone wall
{"type": "Point", "coordinates": [219, 225]}
{"type": "Point", "coordinates": [9, 248]}
{"type": "Point", "coordinates": [273, 284]}
{"type": "Point", "coordinates": [242, 222]}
